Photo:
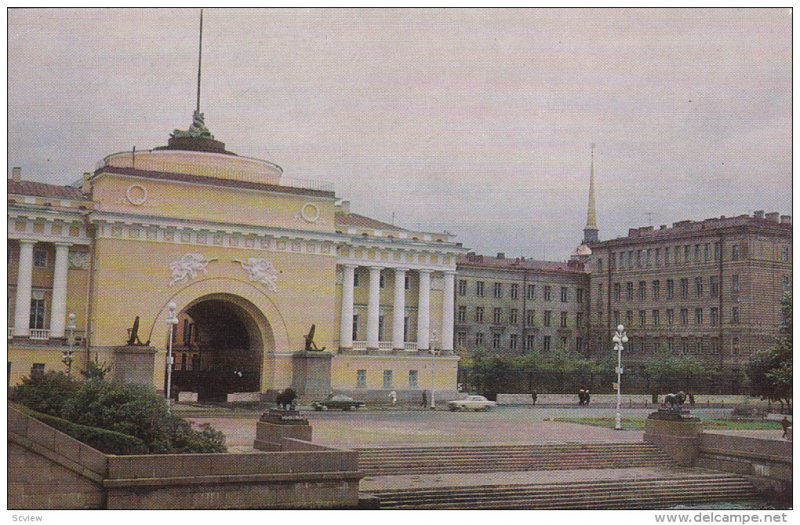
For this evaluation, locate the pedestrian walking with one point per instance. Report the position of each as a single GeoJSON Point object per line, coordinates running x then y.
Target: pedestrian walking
{"type": "Point", "coordinates": [586, 397]}
{"type": "Point", "coordinates": [533, 397]}
{"type": "Point", "coordinates": [785, 424]}
{"type": "Point", "coordinates": [424, 399]}
{"type": "Point", "coordinates": [393, 397]}
{"type": "Point", "coordinates": [580, 397]}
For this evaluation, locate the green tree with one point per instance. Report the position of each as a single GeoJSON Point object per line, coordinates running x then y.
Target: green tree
{"type": "Point", "coordinates": [770, 371]}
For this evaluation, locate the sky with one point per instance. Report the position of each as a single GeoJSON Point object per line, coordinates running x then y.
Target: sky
{"type": "Point", "coordinates": [475, 122]}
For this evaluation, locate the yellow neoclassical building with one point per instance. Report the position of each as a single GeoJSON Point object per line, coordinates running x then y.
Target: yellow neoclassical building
{"type": "Point", "coordinates": [251, 260]}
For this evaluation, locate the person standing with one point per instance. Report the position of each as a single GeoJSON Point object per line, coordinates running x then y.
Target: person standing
{"type": "Point", "coordinates": [393, 397]}
{"type": "Point", "coordinates": [785, 424]}
{"type": "Point", "coordinates": [533, 397]}
{"type": "Point", "coordinates": [424, 399]}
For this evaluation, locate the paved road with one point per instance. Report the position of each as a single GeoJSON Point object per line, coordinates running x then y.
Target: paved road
{"type": "Point", "coordinates": [417, 427]}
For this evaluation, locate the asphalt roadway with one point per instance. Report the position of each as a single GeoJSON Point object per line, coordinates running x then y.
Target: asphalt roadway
{"type": "Point", "coordinates": [504, 424]}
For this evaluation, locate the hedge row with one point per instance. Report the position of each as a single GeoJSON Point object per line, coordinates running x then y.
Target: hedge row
{"type": "Point", "coordinates": [106, 441]}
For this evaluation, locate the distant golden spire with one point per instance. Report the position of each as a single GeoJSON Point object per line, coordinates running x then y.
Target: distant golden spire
{"type": "Point", "coordinates": [590, 230]}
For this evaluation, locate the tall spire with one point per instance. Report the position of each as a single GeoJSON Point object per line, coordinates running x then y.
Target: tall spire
{"type": "Point", "coordinates": [199, 61]}
{"type": "Point", "coordinates": [590, 232]}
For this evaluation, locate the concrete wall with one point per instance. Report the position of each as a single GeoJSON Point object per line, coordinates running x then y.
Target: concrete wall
{"type": "Point", "coordinates": [49, 470]}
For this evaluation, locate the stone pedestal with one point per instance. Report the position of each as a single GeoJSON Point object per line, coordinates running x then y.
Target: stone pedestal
{"type": "Point", "coordinates": [678, 436]}
{"type": "Point", "coordinates": [133, 364]}
{"type": "Point", "coordinates": [311, 373]}
{"type": "Point", "coordinates": [275, 425]}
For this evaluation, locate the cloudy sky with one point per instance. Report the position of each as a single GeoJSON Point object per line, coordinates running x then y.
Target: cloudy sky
{"type": "Point", "coordinates": [472, 121]}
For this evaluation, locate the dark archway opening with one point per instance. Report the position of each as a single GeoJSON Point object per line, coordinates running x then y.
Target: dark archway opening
{"type": "Point", "coordinates": [218, 350]}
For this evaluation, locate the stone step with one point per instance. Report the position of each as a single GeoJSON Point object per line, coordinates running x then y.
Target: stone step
{"type": "Point", "coordinates": [510, 466]}
{"type": "Point", "coordinates": [504, 448]}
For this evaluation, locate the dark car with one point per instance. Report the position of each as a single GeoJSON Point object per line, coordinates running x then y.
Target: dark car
{"type": "Point", "coordinates": [337, 403]}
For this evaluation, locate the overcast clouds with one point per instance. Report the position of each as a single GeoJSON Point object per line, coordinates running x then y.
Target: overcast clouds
{"type": "Point", "coordinates": [476, 122]}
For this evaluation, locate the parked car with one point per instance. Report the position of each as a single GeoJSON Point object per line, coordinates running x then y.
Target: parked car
{"type": "Point", "coordinates": [338, 402]}
{"type": "Point", "coordinates": [471, 403]}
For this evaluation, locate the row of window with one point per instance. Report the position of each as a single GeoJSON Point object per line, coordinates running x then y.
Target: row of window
{"type": "Point", "coordinates": [388, 379]}
{"type": "Point", "coordinates": [699, 288]}
{"type": "Point", "coordinates": [514, 289]}
{"type": "Point", "coordinates": [673, 255]}
{"type": "Point", "coordinates": [381, 281]}
{"type": "Point", "coordinates": [655, 317]}
{"type": "Point", "coordinates": [685, 345]}
{"type": "Point", "coordinates": [514, 340]}
{"type": "Point", "coordinates": [381, 325]}
{"type": "Point", "coordinates": [513, 316]}
{"type": "Point", "coordinates": [40, 257]}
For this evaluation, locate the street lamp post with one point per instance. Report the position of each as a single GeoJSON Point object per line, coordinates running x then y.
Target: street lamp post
{"type": "Point", "coordinates": [619, 339]}
{"type": "Point", "coordinates": [433, 369]}
{"type": "Point", "coordinates": [172, 320]}
{"type": "Point", "coordinates": [66, 357]}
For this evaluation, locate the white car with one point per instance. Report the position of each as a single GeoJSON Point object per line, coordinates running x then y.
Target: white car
{"type": "Point", "coordinates": [471, 403]}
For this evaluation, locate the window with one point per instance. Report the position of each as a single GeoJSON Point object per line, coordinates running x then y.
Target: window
{"type": "Point", "coordinates": [381, 280]}
{"type": "Point", "coordinates": [563, 342]}
{"type": "Point", "coordinates": [656, 289]}
{"type": "Point", "coordinates": [684, 316]}
{"type": "Point", "coordinates": [629, 317]}
{"type": "Point", "coordinates": [787, 283]}
{"type": "Point", "coordinates": [642, 317]}
{"type": "Point", "coordinates": [649, 255]}
{"type": "Point", "coordinates": [735, 315]}
{"type": "Point", "coordinates": [496, 340]}
{"type": "Point", "coordinates": [461, 339]}
{"type": "Point", "coordinates": [563, 319]}
{"type": "Point", "coordinates": [462, 287]}
{"type": "Point", "coordinates": [698, 286]}
{"type": "Point", "coordinates": [564, 294]}
{"type": "Point", "coordinates": [547, 343]}
{"type": "Point", "coordinates": [530, 341]}
{"type": "Point", "coordinates": [407, 283]}
{"type": "Point", "coordinates": [462, 314]}
{"type": "Point", "coordinates": [616, 317]}
{"type": "Point", "coordinates": [355, 279]}
{"type": "Point", "coordinates": [630, 260]}
{"type": "Point", "coordinates": [579, 320]}
{"type": "Point", "coordinates": [716, 251]}
{"type": "Point", "coordinates": [531, 292]}
{"type": "Point", "coordinates": [707, 252]}
{"type": "Point", "coordinates": [638, 258]}
{"type": "Point", "coordinates": [697, 253]}
{"type": "Point", "coordinates": [617, 292]}
{"type": "Point", "coordinates": [37, 369]}
{"type": "Point", "coordinates": [735, 252]}
{"type": "Point", "coordinates": [642, 290]}
{"type": "Point", "coordinates": [713, 284]}
{"type": "Point", "coordinates": [479, 314]}
{"type": "Point", "coordinates": [579, 344]}
{"type": "Point", "coordinates": [37, 313]}
{"type": "Point", "coordinates": [687, 254]}
{"type": "Point", "coordinates": [670, 317]}
{"type": "Point", "coordinates": [599, 293]}
{"type": "Point", "coordinates": [547, 295]}
{"type": "Point", "coordinates": [479, 288]}
{"type": "Point", "coordinates": [413, 379]}
{"type": "Point", "coordinates": [666, 256]}
{"type": "Point", "coordinates": [387, 379]}
{"type": "Point", "coordinates": [735, 346]}
{"type": "Point", "coordinates": [735, 283]}
{"type": "Point", "coordinates": [658, 256]}
{"type": "Point", "coordinates": [40, 257]}
{"type": "Point", "coordinates": [405, 328]}
{"type": "Point", "coordinates": [714, 345]}
{"type": "Point", "coordinates": [629, 291]}
{"type": "Point", "coordinates": [497, 315]}
{"type": "Point", "coordinates": [361, 379]}
{"type": "Point", "coordinates": [670, 289]}
{"type": "Point", "coordinates": [479, 339]}
{"type": "Point", "coordinates": [684, 346]}
{"type": "Point", "coordinates": [512, 341]}
{"type": "Point", "coordinates": [656, 318]}
{"type": "Point", "coordinates": [599, 265]}
{"type": "Point", "coordinates": [784, 254]}
{"type": "Point", "coordinates": [612, 262]}
{"type": "Point", "coordinates": [530, 317]}
{"type": "Point", "coordinates": [579, 295]}
{"type": "Point", "coordinates": [512, 318]}
{"type": "Point", "coordinates": [355, 327]}
{"type": "Point", "coordinates": [498, 290]}
{"type": "Point", "coordinates": [670, 345]}
{"type": "Point", "coordinates": [547, 315]}
{"type": "Point", "coordinates": [380, 327]}
{"type": "Point", "coordinates": [514, 291]}
{"type": "Point", "coordinates": [698, 316]}
{"type": "Point", "coordinates": [714, 316]}
{"type": "Point", "coordinates": [621, 260]}
{"type": "Point", "coordinates": [684, 288]}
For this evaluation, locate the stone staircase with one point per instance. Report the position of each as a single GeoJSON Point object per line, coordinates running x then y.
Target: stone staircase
{"type": "Point", "coordinates": [592, 476]}
{"type": "Point", "coordinates": [508, 458]}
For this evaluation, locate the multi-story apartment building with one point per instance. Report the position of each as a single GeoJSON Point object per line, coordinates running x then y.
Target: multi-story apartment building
{"type": "Point", "coordinates": [710, 288]}
{"type": "Point", "coordinates": [514, 305]}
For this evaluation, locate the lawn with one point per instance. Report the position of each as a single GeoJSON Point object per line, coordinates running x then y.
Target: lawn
{"type": "Point", "coordinates": [637, 423]}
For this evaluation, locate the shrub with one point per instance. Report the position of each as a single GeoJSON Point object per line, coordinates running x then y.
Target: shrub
{"type": "Point", "coordinates": [106, 441]}
{"type": "Point", "coordinates": [45, 393]}
{"type": "Point", "coordinates": [206, 440]}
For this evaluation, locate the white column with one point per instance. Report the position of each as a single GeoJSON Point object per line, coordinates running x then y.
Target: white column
{"type": "Point", "coordinates": [399, 312]}
{"type": "Point", "coordinates": [373, 307]}
{"type": "Point", "coordinates": [449, 311]}
{"type": "Point", "coordinates": [58, 308]}
{"type": "Point", "coordinates": [346, 328]}
{"type": "Point", "coordinates": [424, 310]}
{"type": "Point", "coordinates": [22, 306]}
